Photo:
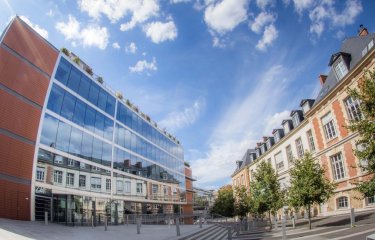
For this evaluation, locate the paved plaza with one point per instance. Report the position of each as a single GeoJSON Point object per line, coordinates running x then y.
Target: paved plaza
{"type": "Point", "coordinates": [22, 230]}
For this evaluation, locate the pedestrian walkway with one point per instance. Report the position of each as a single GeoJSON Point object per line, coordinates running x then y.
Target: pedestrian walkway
{"type": "Point", "coordinates": [23, 230]}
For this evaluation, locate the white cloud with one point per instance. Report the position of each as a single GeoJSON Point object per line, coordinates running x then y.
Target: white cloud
{"type": "Point", "coordinates": [261, 20]}
{"type": "Point", "coordinates": [225, 15]}
{"type": "Point", "coordinates": [240, 127]}
{"type": "Point", "coordinates": [116, 45]}
{"type": "Point", "coordinates": [50, 13]}
{"type": "Point", "coordinates": [326, 13]}
{"type": "Point", "coordinates": [179, 1]}
{"type": "Point", "coordinates": [262, 4]}
{"type": "Point", "coordinates": [91, 35]}
{"type": "Point", "coordinates": [274, 121]}
{"type": "Point", "coordinates": [301, 5]}
{"type": "Point", "coordinates": [43, 32]}
{"type": "Point", "coordinates": [139, 10]}
{"type": "Point", "coordinates": [131, 48]}
{"type": "Point", "coordinates": [184, 118]}
{"type": "Point", "coordinates": [269, 35]}
{"type": "Point", "coordinates": [159, 32]}
{"type": "Point", "coordinates": [143, 65]}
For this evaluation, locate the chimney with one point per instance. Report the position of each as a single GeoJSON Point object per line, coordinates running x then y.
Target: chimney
{"type": "Point", "coordinates": [322, 79]}
{"type": "Point", "coordinates": [362, 31]}
{"type": "Point", "coordinates": [265, 139]}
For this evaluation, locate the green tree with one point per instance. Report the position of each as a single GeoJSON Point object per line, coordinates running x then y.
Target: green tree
{"type": "Point", "coordinates": [265, 192]}
{"type": "Point", "coordinates": [224, 204]}
{"type": "Point", "coordinates": [365, 126]}
{"type": "Point", "coordinates": [308, 184]}
{"type": "Point", "coordinates": [242, 201]}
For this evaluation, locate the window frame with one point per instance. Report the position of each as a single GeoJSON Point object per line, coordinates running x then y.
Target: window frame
{"type": "Point", "coordinates": [299, 147]}
{"type": "Point", "coordinates": [139, 187]}
{"type": "Point", "coordinates": [58, 177]}
{"type": "Point", "coordinates": [353, 109]}
{"type": "Point", "coordinates": [289, 153]}
{"type": "Point", "coordinates": [82, 181]}
{"type": "Point", "coordinates": [338, 167]}
{"type": "Point", "coordinates": [40, 171]}
{"type": "Point", "coordinates": [342, 202]}
{"type": "Point", "coordinates": [340, 68]}
{"type": "Point", "coordinates": [69, 179]}
{"type": "Point", "coordinates": [310, 139]}
{"type": "Point", "coordinates": [329, 127]}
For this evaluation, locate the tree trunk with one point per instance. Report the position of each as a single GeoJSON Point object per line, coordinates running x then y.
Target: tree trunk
{"type": "Point", "coordinates": [308, 207]}
{"type": "Point", "coordinates": [269, 216]}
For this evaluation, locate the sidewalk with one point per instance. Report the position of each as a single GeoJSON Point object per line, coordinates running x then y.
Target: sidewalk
{"type": "Point", "coordinates": [23, 230]}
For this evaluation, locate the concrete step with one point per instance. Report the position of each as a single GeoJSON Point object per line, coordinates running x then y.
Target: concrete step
{"type": "Point", "coordinates": [198, 234]}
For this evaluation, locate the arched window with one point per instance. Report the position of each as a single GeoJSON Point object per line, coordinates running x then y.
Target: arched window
{"type": "Point", "coordinates": [342, 202]}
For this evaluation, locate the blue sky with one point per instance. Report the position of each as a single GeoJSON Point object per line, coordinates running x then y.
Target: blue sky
{"type": "Point", "coordinates": [218, 74]}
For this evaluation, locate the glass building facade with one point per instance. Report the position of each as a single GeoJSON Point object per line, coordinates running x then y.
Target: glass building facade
{"type": "Point", "coordinates": [97, 154]}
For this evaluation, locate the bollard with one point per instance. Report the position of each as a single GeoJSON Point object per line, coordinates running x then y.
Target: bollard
{"type": "Point", "coordinates": [92, 221]}
{"type": "Point", "coordinates": [237, 230]}
{"type": "Point", "coordinates": [105, 222]}
{"type": "Point", "coordinates": [284, 229]}
{"type": "Point", "coordinates": [294, 222]}
{"type": "Point", "coordinates": [169, 222]}
{"type": "Point", "coordinates": [352, 217]}
{"type": "Point", "coordinates": [276, 224]}
{"type": "Point", "coordinates": [127, 220]}
{"type": "Point", "coordinates": [229, 233]}
{"type": "Point", "coordinates": [200, 221]}
{"type": "Point", "coordinates": [46, 218]}
{"type": "Point", "coordinates": [138, 226]}
{"type": "Point", "coordinates": [178, 227]}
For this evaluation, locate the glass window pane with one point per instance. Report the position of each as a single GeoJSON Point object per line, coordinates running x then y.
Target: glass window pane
{"type": "Point", "coordinates": [87, 142]}
{"type": "Point", "coordinates": [108, 129]}
{"type": "Point", "coordinates": [55, 99]}
{"type": "Point", "coordinates": [99, 124]}
{"type": "Point", "coordinates": [107, 154]}
{"type": "Point", "coordinates": [97, 150]}
{"type": "Point", "coordinates": [79, 113]}
{"type": "Point", "coordinates": [75, 141]}
{"type": "Point", "coordinates": [74, 79]}
{"type": "Point", "coordinates": [110, 107]}
{"type": "Point", "coordinates": [102, 102]}
{"type": "Point", "coordinates": [84, 86]}
{"type": "Point", "coordinates": [90, 119]}
{"type": "Point", "coordinates": [49, 131]}
{"type": "Point", "coordinates": [63, 136]}
{"type": "Point", "coordinates": [62, 73]}
{"type": "Point", "coordinates": [93, 94]}
{"type": "Point", "coordinates": [67, 109]}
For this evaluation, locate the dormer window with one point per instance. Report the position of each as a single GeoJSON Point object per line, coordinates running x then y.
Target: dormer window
{"type": "Point", "coordinates": [295, 120]}
{"type": "Point", "coordinates": [340, 69]}
{"type": "Point", "coordinates": [277, 136]}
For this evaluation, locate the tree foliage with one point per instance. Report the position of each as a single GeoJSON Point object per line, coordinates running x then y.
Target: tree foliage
{"type": "Point", "coordinates": [224, 204]}
{"type": "Point", "coordinates": [308, 184]}
{"type": "Point", "coordinates": [365, 126]}
{"type": "Point", "coordinates": [265, 192]}
{"type": "Point", "coordinates": [242, 201]}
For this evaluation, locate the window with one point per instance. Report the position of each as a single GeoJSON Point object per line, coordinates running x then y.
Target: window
{"type": "Point", "coordinates": [340, 69]}
{"type": "Point", "coordinates": [289, 153]}
{"type": "Point", "coordinates": [70, 179]}
{"type": "Point", "coordinates": [279, 161]}
{"type": "Point", "coordinates": [295, 119]}
{"type": "Point", "coordinates": [82, 181]}
{"type": "Point", "coordinates": [353, 108]}
{"type": "Point", "coordinates": [119, 186]}
{"type": "Point", "coordinates": [155, 188]}
{"type": "Point", "coordinates": [127, 187]}
{"type": "Point", "coordinates": [165, 190]}
{"type": "Point", "coordinates": [40, 173]}
{"type": "Point", "coordinates": [139, 188]}
{"type": "Point", "coordinates": [342, 202]}
{"type": "Point", "coordinates": [108, 184]}
{"type": "Point", "coordinates": [70, 162]}
{"type": "Point", "coordinates": [96, 184]}
{"type": "Point", "coordinates": [328, 126]}
{"type": "Point", "coordinates": [371, 200]}
{"type": "Point", "coordinates": [57, 176]}
{"type": "Point", "coordinates": [363, 163]}
{"type": "Point", "coordinates": [310, 138]}
{"type": "Point", "coordinates": [337, 167]}
{"type": "Point", "coordinates": [58, 159]}
{"type": "Point", "coordinates": [277, 136]}
{"type": "Point", "coordinates": [299, 147]}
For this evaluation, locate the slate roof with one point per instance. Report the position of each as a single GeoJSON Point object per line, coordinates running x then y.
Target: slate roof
{"type": "Point", "coordinates": [352, 46]}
